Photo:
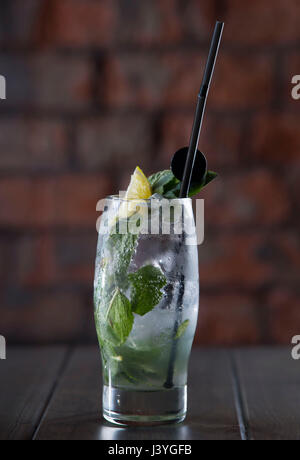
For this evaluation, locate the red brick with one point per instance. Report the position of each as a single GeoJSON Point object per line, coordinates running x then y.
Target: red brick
{"type": "Point", "coordinates": [291, 178]}
{"type": "Point", "coordinates": [175, 131]}
{"type": "Point", "coordinates": [237, 260]}
{"type": "Point", "coordinates": [242, 81]}
{"type": "Point", "coordinates": [63, 83]}
{"type": "Point", "coordinates": [281, 250]}
{"type": "Point", "coordinates": [34, 261]}
{"type": "Point", "coordinates": [50, 260]}
{"type": "Point", "coordinates": [251, 198]}
{"type": "Point", "coordinates": [172, 79]}
{"type": "Point", "coordinates": [46, 317]}
{"type": "Point", "coordinates": [47, 81]}
{"type": "Point", "coordinates": [138, 80]}
{"type": "Point", "coordinates": [30, 145]}
{"type": "Point", "coordinates": [220, 139]}
{"type": "Point", "coordinates": [68, 200]}
{"type": "Point", "coordinates": [250, 260]}
{"type": "Point", "coordinates": [259, 22]}
{"type": "Point", "coordinates": [168, 22]}
{"type": "Point", "coordinates": [81, 22]}
{"type": "Point", "coordinates": [198, 17]}
{"type": "Point", "coordinates": [227, 319]}
{"type": "Point", "coordinates": [24, 202]}
{"type": "Point", "coordinates": [75, 257]}
{"type": "Point", "coordinates": [274, 138]}
{"type": "Point", "coordinates": [6, 260]}
{"type": "Point", "coordinates": [19, 22]}
{"type": "Point", "coordinates": [163, 23]}
{"type": "Point", "coordinates": [76, 198]}
{"type": "Point", "coordinates": [150, 80]}
{"type": "Point", "coordinates": [84, 23]}
{"type": "Point", "coordinates": [149, 22]}
{"type": "Point", "coordinates": [284, 315]}
{"type": "Point", "coordinates": [114, 143]}
{"type": "Point", "coordinates": [285, 252]}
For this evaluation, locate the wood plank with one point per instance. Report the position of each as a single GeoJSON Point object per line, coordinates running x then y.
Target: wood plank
{"type": "Point", "coordinates": [270, 390]}
{"type": "Point", "coordinates": [75, 411]}
{"type": "Point", "coordinates": [211, 413]}
{"type": "Point", "coordinates": [27, 378]}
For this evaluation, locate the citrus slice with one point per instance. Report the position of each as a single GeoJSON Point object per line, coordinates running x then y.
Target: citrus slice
{"type": "Point", "coordinates": [139, 189]}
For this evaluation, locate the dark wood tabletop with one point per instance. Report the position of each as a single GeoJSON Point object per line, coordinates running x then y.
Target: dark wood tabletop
{"type": "Point", "coordinates": [54, 393]}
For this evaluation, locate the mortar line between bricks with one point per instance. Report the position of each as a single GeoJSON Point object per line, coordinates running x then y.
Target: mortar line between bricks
{"type": "Point", "coordinates": [89, 51]}
{"type": "Point", "coordinates": [245, 168]}
{"type": "Point", "coordinates": [42, 113]}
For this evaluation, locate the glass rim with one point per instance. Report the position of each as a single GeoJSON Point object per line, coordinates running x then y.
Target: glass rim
{"type": "Point", "coordinates": [146, 200]}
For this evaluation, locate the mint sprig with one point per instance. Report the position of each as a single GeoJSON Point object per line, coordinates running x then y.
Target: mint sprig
{"type": "Point", "coordinates": [166, 184]}
{"type": "Point", "coordinates": [161, 180]}
{"type": "Point", "coordinates": [146, 284]}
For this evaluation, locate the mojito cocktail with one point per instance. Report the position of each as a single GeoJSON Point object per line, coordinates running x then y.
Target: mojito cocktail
{"type": "Point", "coordinates": [146, 300]}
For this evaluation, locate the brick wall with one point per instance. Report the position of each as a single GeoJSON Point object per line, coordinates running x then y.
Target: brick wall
{"type": "Point", "coordinates": [95, 87]}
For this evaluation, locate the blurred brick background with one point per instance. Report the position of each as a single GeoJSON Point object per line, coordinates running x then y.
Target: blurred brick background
{"type": "Point", "coordinates": [95, 87]}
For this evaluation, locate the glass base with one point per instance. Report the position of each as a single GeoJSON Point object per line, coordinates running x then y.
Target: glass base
{"type": "Point", "coordinates": [140, 408]}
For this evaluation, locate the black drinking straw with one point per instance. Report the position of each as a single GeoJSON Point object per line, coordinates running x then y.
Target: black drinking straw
{"type": "Point", "coordinates": [202, 96]}
{"type": "Point", "coordinates": [188, 169]}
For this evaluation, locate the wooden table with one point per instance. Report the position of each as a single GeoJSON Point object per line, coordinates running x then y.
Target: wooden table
{"type": "Point", "coordinates": [55, 393]}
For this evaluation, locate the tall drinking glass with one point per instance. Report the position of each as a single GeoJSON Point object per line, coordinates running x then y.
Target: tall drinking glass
{"type": "Point", "coordinates": [146, 305]}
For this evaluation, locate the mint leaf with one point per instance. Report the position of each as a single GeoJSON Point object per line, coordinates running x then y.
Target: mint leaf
{"type": "Point", "coordinates": [172, 189]}
{"type": "Point", "coordinates": [196, 188]}
{"type": "Point", "coordinates": [146, 285]}
{"type": "Point", "coordinates": [160, 180]}
{"type": "Point", "coordinates": [122, 249]}
{"type": "Point", "coordinates": [166, 184]}
{"type": "Point", "coordinates": [181, 329]}
{"type": "Point", "coordinates": [139, 364]}
{"type": "Point", "coordinates": [210, 175]}
{"type": "Point", "coordinates": [119, 318]}
{"type": "Point", "coordinates": [108, 335]}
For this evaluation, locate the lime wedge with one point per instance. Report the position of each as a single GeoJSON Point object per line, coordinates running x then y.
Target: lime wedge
{"type": "Point", "coordinates": [139, 189]}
